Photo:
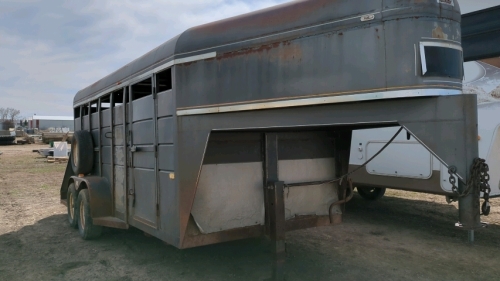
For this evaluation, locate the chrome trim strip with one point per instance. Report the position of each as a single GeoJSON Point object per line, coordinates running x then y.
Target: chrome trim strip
{"type": "Point", "coordinates": [442, 81]}
{"type": "Point", "coordinates": [185, 60]}
{"type": "Point", "coordinates": [393, 123]}
{"type": "Point", "coordinates": [319, 100]}
{"type": "Point", "coordinates": [196, 58]}
{"type": "Point", "coordinates": [441, 44]}
{"type": "Point", "coordinates": [415, 49]}
{"type": "Point", "coordinates": [423, 61]}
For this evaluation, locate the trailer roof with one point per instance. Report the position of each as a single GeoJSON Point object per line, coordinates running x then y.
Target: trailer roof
{"type": "Point", "coordinates": [246, 30]}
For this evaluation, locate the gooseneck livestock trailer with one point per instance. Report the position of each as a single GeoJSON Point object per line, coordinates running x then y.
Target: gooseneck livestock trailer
{"type": "Point", "coordinates": [225, 131]}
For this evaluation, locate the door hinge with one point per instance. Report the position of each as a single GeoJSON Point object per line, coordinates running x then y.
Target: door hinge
{"type": "Point", "coordinates": [155, 94]}
{"type": "Point", "coordinates": [156, 151]}
{"type": "Point", "coordinates": [157, 210]}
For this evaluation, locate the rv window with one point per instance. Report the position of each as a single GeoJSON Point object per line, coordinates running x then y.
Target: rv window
{"type": "Point", "coordinates": [164, 80]}
{"type": "Point", "coordinates": [441, 61]}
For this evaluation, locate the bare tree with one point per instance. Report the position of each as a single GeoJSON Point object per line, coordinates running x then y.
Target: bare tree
{"type": "Point", "coordinates": [3, 113]}
{"type": "Point", "coordinates": [13, 113]}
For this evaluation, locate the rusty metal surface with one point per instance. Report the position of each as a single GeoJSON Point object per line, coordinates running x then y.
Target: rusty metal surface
{"type": "Point", "coordinates": [110, 222]}
{"type": "Point", "coordinates": [328, 60]}
{"type": "Point", "coordinates": [261, 31]}
{"type": "Point", "coordinates": [436, 121]}
{"type": "Point", "coordinates": [101, 204]}
{"type": "Point", "coordinates": [195, 239]}
{"type": "Point", "coordinates": [68, 173]}
{"type": "Point", "coordinates": [142, 121]}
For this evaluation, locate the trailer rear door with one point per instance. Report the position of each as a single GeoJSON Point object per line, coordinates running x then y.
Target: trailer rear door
{"type": "Point", "coordinates": [142, 165]}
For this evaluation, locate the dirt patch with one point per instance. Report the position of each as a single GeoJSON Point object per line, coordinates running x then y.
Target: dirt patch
{"type": "Point", "coordinates": [496, 92]}
{"type": "Point", "coordinates": [402, 236]}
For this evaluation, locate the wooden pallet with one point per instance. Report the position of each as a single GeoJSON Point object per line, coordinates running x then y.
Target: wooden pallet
{"type": "Point", "coordinates": [52, 159]}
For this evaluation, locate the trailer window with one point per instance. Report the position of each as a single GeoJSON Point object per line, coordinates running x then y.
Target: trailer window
{"type": "Point", "coordinates": [85, 110]}
{"type": "Point", "coordinates": [142, 89]}
{"type": "Point", "coordinates": [76, 112]}
{"type": "Point", "coordinates": [117, 98]}
{"type": "Point", "coordinates": [441, 61]}
{"type": "Point", "coordinates": [93, 107]}
{"type": "Point", "coordinates": [105, 102]}
{"type": "Point", "coordinates": [164, 80]}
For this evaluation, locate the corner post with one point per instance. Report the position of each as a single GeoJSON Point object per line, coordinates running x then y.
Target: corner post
{"type": "Point", "coordinates": [469, 206]}
{"type": "Point", "coordinates": [275, 205]}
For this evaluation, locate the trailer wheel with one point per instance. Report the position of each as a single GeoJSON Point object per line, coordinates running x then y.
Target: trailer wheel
{"type": "Point", "coordinates": [72, 197]}
{"type": "Point", "coordinates": [82, 152]}
{"type": "Point", "coordinates": [371, 193]}
{"type": "Point", "coordinates": [86, 227]}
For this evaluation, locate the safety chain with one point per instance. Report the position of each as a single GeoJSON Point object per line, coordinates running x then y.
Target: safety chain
{"type": "Point", "coordinates": [479, 177]}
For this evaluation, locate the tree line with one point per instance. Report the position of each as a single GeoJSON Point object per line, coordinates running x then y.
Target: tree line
{"type": "Point", "coordinates": [7, 117]}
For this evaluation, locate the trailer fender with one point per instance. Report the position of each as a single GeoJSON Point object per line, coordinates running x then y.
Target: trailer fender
{"type": "Point", "coordinates": [67, 180]}
{"type": "Point", "coordinates": [101, 199]}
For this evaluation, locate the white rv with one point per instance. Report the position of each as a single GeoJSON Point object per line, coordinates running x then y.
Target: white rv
{"type": "Point", "coordinates": [406, 164]}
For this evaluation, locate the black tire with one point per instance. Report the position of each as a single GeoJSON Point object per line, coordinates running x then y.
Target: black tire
{"type": "Point", "coordinates": [82, 152]}
{"type": "Point", "coordinates": [371, 193]}
{"type": "Point", "coordinates": [86, 227]}
{"type": "Point", "coordinates": [72, 197]}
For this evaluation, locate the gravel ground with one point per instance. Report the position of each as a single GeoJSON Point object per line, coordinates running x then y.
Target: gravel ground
{"type": "Point", "coordinates": [403, 236]}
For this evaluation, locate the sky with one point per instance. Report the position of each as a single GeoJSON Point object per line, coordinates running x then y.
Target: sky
{"type": "Point", "coordinates": [50, 49]}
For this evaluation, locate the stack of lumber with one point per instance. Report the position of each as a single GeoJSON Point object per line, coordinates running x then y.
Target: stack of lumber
{"type": "Point", "coordinates": [47, 137]}
{"type": "Point", "coordinates": [52, 159]}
